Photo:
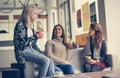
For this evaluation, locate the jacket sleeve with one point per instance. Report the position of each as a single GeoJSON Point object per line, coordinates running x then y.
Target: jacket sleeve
{"type": "Point", "coordinates": [49, 53]}
{"type": "Point", "coordinates": [103, 51]}
{"type": "Point", "coordinates": [21, 40]}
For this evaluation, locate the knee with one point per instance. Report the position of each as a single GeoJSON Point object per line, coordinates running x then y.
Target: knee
{"type": "Point", "coordinates": [87, 65]}
{"type": "Point", "coordinates": [68, 69]}
{"type": "Point", "coordinates": [51, 62]}
{"type": "Point", "coordinates": [68, 66]}
{"type": "Point", "coordinates": [87, 68]}
{"type": "Point", "coordinates": [46, 61]}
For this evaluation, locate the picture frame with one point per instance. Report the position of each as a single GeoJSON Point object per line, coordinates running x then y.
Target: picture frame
{"type": "Point", "coordinates": [93, 17]}
{"type": "Point", "coordinates": [79, 19]}
{"type": "Point", "coordinates": [85, 16]}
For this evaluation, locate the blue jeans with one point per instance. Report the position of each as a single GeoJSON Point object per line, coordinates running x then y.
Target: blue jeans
{"type": "Point", "coordinates": [66, 68]}
{"type": "Point", "coordinates": [46, 64]}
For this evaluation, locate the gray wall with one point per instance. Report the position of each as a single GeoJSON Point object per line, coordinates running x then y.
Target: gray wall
{"type": "Point", "coordinates": [6, 58]}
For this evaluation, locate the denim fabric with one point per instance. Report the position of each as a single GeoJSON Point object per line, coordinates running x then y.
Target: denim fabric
{"type": "Point", "coordinates": [51, 69]}
{"type": "Point", "coordinates": [22, 41]}
{"type": "Point", "coordinates": [46, 65]}
{"type": "Point", "coordinates": [66, 68]}
{"type": "Point", "coordinates": [57, 69]}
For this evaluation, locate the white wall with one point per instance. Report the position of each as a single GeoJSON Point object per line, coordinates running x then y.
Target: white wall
{"type": "Point", "coordinates": [6, 58]}
{"type": "Point", "coordinates": [113, 29]}
{"type": "Point", "coordinates": [52, 16]}
{"type": "Point", "coordinates": [9, 36]}
{"type": "Point", "coordinates": [78, 4]}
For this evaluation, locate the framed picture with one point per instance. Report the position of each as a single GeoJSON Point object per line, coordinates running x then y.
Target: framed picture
{"type": "Point", "coordinates": [93, 17]}
{"type": "Point", "coordinates": [79, 20]}
{"type": "Point", "coordinates": [85, 16]}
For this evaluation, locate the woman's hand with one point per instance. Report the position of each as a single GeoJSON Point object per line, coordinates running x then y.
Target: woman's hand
{"type": "Point", "coordinates": [39, 34]}
{"type": "Point", "coordinates": [91, 61]}
{"type": "Point", "coordinates": [72, 44]}
{"type": "Point", "coordinates": [66, 62]}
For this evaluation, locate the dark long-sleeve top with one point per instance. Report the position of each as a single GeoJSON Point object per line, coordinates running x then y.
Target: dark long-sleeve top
{"type": "Point", "coordinates": [89, 50]}
{"type": "Point", "coordinates": [21, 40]}
{"type": "Point", "coordinates": [102, 50]}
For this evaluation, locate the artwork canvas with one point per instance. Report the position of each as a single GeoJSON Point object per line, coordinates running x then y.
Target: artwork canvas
{"type": "Point", "coordinates": [85, 16]}
{"type": "Point", "coordinates": [93, 12]}
{"type": "Point", "coordinates": [79, 21]}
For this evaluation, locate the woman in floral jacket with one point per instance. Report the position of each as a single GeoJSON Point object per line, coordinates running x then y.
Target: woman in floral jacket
{"type": "Point", "coordinates": [25, 39]}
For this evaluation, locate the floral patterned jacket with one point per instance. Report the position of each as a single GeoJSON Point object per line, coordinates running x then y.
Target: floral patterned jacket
{"type": "Point", "coordinates": [21, 41]}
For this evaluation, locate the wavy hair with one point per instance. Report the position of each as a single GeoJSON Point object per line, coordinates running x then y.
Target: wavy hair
{"type": "Point", "coordinates": [98, 34]}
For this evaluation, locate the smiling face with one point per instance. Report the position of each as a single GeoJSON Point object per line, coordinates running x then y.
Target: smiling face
{"type": "Point", "coordinates": [58, 31]}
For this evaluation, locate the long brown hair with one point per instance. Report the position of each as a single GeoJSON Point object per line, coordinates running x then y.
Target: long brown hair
{"type": "Point", "coordinates": [98, 34]}
{"type": "Point", "coordinates": [63, 34]}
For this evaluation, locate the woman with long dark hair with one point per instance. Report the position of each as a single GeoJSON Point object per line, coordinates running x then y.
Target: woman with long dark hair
{"type": "Point", "coordinates": [95, 49]}
{"type": "Point", "coordinates": [56, 49]}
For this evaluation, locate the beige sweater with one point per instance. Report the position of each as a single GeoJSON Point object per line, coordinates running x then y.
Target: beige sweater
{"type": "Point", "coordinates": [56, 50]}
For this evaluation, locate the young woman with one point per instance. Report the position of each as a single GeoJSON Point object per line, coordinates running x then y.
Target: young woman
{"type": "Point", "coordinates": [95, 49]}
{"type": "Point", "coordinates": [25, 39]}
{"type": "Point", "coordinates": [56, 49]}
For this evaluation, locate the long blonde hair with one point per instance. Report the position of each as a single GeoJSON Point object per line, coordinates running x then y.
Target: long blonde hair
{"type": "Point", "coordinates": [26, 10]}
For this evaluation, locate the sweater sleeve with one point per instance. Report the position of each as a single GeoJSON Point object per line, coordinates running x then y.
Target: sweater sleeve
{"type": "Point", "coordinates": [49, 53]}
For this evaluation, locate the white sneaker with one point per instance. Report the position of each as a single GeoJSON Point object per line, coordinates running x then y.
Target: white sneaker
{"type": "Point", "coordinates": [59, 74]}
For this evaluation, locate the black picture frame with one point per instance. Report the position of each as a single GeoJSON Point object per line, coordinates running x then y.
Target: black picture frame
{"type": "Point", "coordinates": [93, 17]}
{"type": "Point", "coordinates": [79, 19]}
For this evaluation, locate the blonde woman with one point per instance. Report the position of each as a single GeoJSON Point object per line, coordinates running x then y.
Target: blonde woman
{"type": "Point", "coordinates": [25, 39]}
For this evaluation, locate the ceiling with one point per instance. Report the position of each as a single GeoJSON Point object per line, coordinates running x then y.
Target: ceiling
{"type": "Point", "coordinates": [19, 3]}
{"type": "Point", "coordinates": [6, 6]}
